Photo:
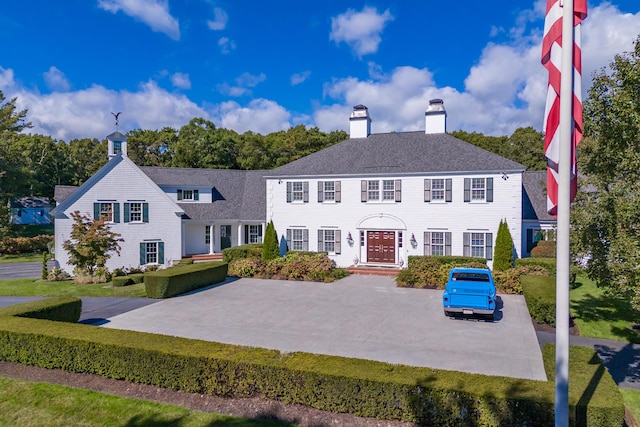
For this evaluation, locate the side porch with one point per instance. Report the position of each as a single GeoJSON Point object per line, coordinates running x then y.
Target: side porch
{"type": "Point", "coordinates": [205, 240]}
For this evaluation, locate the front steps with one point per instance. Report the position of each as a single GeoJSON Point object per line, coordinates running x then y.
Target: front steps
{"type": "Point", "coordinates": [374, 270]}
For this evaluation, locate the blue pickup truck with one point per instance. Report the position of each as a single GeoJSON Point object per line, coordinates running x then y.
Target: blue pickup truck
{"type": "Point", "coordinates": [470, 291]}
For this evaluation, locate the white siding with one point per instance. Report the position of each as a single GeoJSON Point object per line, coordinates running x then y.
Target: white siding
{"type": "Point", "coordinates": [411, 216]}
{"type": "Point", "coordinates": [123, 183]}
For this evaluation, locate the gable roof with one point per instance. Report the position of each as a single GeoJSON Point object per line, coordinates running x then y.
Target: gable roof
{"type": "Point", "coordinates": [398, 153]}
{"type": "Point", "coordinates": [534, 196]}
{"type": "Point", "coordinates": [61, 192]}
{"type": "Point", "coordinates": [238, 194]}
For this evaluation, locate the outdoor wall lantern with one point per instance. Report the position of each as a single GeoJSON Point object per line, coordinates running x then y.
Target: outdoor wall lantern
{"type": "Point", "coordinates": [349, 239]}
{"type": "Point", "coordinates": [414, 242]}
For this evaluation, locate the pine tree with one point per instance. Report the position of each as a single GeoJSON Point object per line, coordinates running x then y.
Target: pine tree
{"type": "Point", "coordinates": [270, 247]}
{"type": "Point", "coordinates": [503, 257]}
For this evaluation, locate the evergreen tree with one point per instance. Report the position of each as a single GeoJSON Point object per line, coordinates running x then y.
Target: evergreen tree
{"type": "Point", "coordinates": [503, 257]}
{"type": "Point", "coordinates": [270, 247]}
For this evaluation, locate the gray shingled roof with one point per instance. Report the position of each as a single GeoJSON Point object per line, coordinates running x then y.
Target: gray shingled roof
{"type": "Point", "coordinates": [61, 192]}
{"type": "Point", "coordinates": [398, 153]}
{"type": "Point", "coordinates": [240, 194]}
{"type": "Point", "coordinates": [534, 196]}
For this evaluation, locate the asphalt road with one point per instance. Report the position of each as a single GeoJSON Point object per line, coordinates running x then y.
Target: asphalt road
{"type": "Point", "coordinates": [22, 270]}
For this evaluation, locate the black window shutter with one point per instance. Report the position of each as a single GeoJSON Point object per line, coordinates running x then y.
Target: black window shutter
{"type": "Point", "coordinates": [320, 191]}
{"type": "Point", "coordinates": [145, 212]}
{"type": "Point", "coordinates": [427, 243]}
{"type": "Point", "coordinates": [337, 188]}
{"type": "Point", "coordinates": [143, 253]}
{"type": "Point", "coordinates": [398, 187]}
{"type": "Point", "coordinates": [160, 252]}
{"type": "Point", "coordinates": [337, 245]}
{"type": "Point", "coordinates": [488, 242]}
{"type": "Point", "coordinates": [489, 189]}
{"type": "Point", "coordinates": [246, 234]}
{"type": "Point", "coordinates": [260, 233]}
{"type": "Point", "coordinates": [448, 185]}
{"type": "Point", "coordinates": [126, 212]}
{"type": "Point", "coordinates": [320, 240]}
{"type": "Point", "coordinates": [289, 185]}
{"type": "Point", "coordinates": [116, 212]}
{"type": "Point", "coordinates": [427, 190]}
{"type": "Point", "coordinates": [447, 243]}
{"type": "Point", "coordinates": [467, 189]}
{"type": "Point", "coordinates": [305, 189]}
{"type": "Point", "coordinates": [363, 190]}
{"type": "Point", "coordinates": [196, 195]}
{"type": "Point", "coordinates": [466, 244]}
{"type": "Point", "coordinates": [179, 192]}
{"type": "Point", "coordinates": [96, 211]}
{"type": "Point", "coordinates": [305, 240]}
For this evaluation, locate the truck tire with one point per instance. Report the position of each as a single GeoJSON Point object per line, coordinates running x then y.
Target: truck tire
{"type": "Point", "coordinates": [448, 313]}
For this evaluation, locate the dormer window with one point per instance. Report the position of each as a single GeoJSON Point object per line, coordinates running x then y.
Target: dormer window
{"type": "Point", "coordinates": [188, 194]}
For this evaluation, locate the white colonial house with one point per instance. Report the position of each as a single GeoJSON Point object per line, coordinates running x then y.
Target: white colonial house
{"type": "Point", "coordinates": [371, 200]}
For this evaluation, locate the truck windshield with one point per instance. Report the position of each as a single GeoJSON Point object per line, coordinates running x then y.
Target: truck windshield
{"type": "Point", "coordinates": [470, 277]}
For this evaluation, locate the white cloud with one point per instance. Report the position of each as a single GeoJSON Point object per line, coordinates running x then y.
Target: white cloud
{"type": "Point", "coordinates": [244, 83]}
{"type": "Point", "coordinates": [260, 115]}
{"type": "Point", "coordinates": [154, 13]}
{"type": "Point", "coordinates": [226, 45]}
{"type": "Point", "coordinates": [298, 78]}
{"type": "Point", "coordinates": [56, 80]}
{"type": "Point", "coordinates": [360, 30]}
{"type": "Point", "coordinates": [6, 79]}
{"type": "Point", "coordinates": [181, 80]}
{"type": "Point", "coordinates": [220, 19]}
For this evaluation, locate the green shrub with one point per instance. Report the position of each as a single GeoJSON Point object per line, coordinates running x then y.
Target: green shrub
{"type": "Point", "coordinates": [128, 280]}
{"type": "Point", "coordinates": [548, 263]}
{"type": "Point", "coordinates": [270, 247]}
{"type": "Point", "coordinates": [508, 282]}
{"type": "Point", "coordinates": [544, 249]}
{"type": "Point", "coordinates": [540, 294]}
{"type": "Point", "coordinates": [60, 309]}
{"type": "Point", "coordinates": [433, 271]}
{"type": "Point", "coordinates": [178, 280]}
{"type": "Point", "coordinates": [308, 266]}
{"type": "Point", "coordinates": [246, 267]}
{"type": "Point", "coordinates": [503, 254]}
{"type": "Point", "coordinates": [57, 275]}
{"type": "Point", "coordinates": [185, 261]}
{"type": "Point", "coordinates": [25, 245]}
{"type": "Point", "coordinates": [244, 251]}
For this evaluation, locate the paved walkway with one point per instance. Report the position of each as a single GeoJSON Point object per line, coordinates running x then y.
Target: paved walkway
{"type": "Point", "coordinates": [364, 317]}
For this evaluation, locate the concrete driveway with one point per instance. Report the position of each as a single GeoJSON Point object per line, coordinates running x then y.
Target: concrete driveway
{"type": "Point", "coordinates": [364, 317]}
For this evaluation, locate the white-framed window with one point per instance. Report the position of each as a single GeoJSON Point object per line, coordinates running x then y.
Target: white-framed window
{"type": "Point", "coordinates": [298, 239]}
{"type": "Point", "coordinates": [478, 245]}
{"type": "Point", "coordinates": [151, 252]}
{"type": "Point", "coordinates": [109, 211]}
{"type": "Point", "coordinates": [329, 240]}
{"type": "Point", "coordinates": [298, 191]}
{"type": "Point", "coordinates": [135, 212]}
{"type": "Point", "coordinates": [117, 147]}
{"type": "Point", "coordinates": [386, 190]}
{"type": "Point", "coordinates": [329, 191]}
{"type": "Point", "coordinates": [478, 189]}
{"type": "Point", "coordinates": [253, 233]}
{"type": "Point", "coordinates": [437, 189]}
{"type": "Point", "coordinates": [207, 234]}
{"type": "Point", "coordinates": [188, 194]}
{"type": "Point", "coordinates": [437, 243]}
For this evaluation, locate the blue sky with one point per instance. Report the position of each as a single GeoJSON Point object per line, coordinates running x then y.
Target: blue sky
{"type": "Point", "coordinates": [265, 66]}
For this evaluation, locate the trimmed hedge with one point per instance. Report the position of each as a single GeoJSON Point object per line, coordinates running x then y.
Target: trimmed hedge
{"type": "Point", "coordinates": [540, 294]}
{"type": "Point", "coordinates": [60, 309]}
{"type": "Point", "coordinates": [184, 278]}
{"type": "Point", "coordinates": [131, 279]}
{"type": "Point", "coordinates": [544, 249]}
{"type": "Point", "coordinates": [361, 387]}
{"type": "Point", "coordinates": [244, 251]}
{"type": "Point", "coordinates": [547, 263]}
{"type": "Point", "coordinates": [433, 271]}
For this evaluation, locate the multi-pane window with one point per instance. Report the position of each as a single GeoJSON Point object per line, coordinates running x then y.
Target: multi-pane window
{"type": "Point", "coordinates": [187, 194]}
{"type": "Point", "coordinates": [373, 190]}
{"type": "Point", "coordinates": [329, 190]}
{"type": "Point", "coordinates": [437, 243]}
{"type": "Point", "coordinates": [255, 234]}
{"type": "Point", "coordinates": [297, 239]}
{"type": "Point", "coordinates": [388, 189]}
{"type": "Point", "coordinates": [135, 212]}
{"type": "Point", "coordinates": [297, 191]}
{"type": "Point", "coordinates": [477, 245]}
{"type": "Point", "coordinates": [329, 241]}
{"type": "Point", "coordinates": [477, 189]}
{"type": "Point", "coordinates": [151, 252]}
{"type": "Point", "coordinates": [207, 234]}
{"type": "Point", "coordinates": [437, 189]}
{"type": "Point", "coordinates": [106, 211]}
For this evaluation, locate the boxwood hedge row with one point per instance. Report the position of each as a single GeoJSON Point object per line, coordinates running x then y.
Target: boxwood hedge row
{"type": "Point", "coordinates": [540, 294]}
{"type": "Point", "coordinates": [61, 309]}
{"type": "Point", "coordinates": [337, 384]}
{"type": "Point", "coordinates": [183, 278]}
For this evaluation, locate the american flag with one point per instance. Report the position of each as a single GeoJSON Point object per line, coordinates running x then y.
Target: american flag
{"type": "Point", "coordinates": [551, 59]}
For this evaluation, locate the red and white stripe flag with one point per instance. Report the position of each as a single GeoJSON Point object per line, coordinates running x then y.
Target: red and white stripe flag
{"type": "Point", "coordinates": [551, 59]}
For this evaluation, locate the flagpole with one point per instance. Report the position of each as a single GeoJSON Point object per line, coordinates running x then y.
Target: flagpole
{"type": "Point", "coordinates": [564, 200]}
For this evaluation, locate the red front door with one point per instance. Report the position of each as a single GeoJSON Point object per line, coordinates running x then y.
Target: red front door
{"type": "Point", "coordinates": [381, 246]}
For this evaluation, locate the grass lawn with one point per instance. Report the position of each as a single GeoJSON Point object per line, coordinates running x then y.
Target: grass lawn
{"type": "Point", "coordinates": [38, 287]}
{"type": "Point", "coordinates": [38, 404]}
{"type": "Point", "coordinates": [33, 257]}
{"type": "Point", "coordinates": [632, 400]}
{"type": "Point", "coordinates": [600, 316]}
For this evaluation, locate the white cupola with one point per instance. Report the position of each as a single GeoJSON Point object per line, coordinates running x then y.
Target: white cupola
{"type": "Point", "coordinates": [116, 144]}
{"type": "Point", "coordinates": [435, 117]}
{"type": "Point", "coordinates": [359, 122]}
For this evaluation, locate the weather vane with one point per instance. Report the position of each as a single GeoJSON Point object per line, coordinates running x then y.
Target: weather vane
{"type": "Point", "coordinates": [116, 115]}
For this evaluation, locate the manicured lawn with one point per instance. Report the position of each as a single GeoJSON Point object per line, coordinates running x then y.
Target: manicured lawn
{"type": "Point", "coordinates": [37, 287]}
{"type": "Point", "coordinates": [632, 400]}
{"type": "Point", "coordinates": [600, 316]}
{"type": "Point", "coordinates": [33, 257]}
{"type": "Point", "coordinates": [40, 404]}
